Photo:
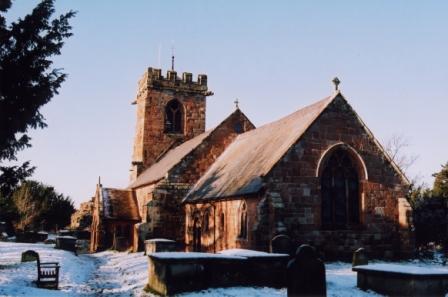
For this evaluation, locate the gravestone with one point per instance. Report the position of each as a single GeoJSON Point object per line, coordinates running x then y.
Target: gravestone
{"type": "Point", "coordinates": [29, 256]}
{"type": "Point", "coordinates": [282, 244]}
{"type": "Point", "coordinates": [306, 274]}
{"type": "Point", "coordinates": [360, 257]}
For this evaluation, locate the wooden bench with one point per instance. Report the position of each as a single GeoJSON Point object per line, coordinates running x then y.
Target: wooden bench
{"type": "Point", "coordinates": [47, 272]}
{"type": "Point", "coordinates": [402, 280]}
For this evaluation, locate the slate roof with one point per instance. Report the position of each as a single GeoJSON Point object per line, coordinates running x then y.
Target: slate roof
{"type": "Point", "coordinates": [159, 169]}
{"type": "Point", "coordinates": [119, 204]}
{"type": "Point", "coordinates": [239, 170]}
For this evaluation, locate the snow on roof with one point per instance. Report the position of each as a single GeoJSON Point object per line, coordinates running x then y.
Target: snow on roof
{"type": "Point", "coordinates": [403, 269]}
{"type": "Point", "coordinates": [249, 253]}
{"type": "Point", "coordinates": [119, 204]}
{"type": "Point", "coordinates": [159, 169]}
{"type": "Point", "coordinates": [239, 170]}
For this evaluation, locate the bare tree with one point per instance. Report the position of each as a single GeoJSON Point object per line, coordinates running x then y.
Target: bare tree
{"type": "Point", "coordinates": [396, 148]}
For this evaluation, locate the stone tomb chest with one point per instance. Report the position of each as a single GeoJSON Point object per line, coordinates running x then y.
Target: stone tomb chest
{"type": "Point", "coordinates": [175, 272]}
{"type": "Point", "coordinates": [159, 245]}
{"type": "Point", "coordinates": [402, 280]}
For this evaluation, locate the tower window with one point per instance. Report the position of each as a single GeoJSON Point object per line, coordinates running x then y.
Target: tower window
{"type": "Point", "coordinates": [174, 117]}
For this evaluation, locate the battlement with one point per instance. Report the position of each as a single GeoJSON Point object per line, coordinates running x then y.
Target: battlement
{"type": "Point", "coordinates": [153, 78]}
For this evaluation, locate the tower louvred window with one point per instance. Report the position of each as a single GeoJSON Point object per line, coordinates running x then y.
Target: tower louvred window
{"type": "Point", "coordinates": [174, 117]}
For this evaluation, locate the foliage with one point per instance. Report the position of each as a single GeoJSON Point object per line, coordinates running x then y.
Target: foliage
{"type": "Point", "coordinates": [440, 187]}
{"type": "Point", "coordinates": [28, 82]}
{"type": "Point", "coordinates": [40, 206]}
{"type": "Point", "coordinates": [430, 221]}
{"type": "Point", "coordinates": [417, 194]}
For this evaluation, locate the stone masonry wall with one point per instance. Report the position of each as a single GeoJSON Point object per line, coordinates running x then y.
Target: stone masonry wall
{"type": "Point", "coordinates": [154, 93]}
{"type": "Point", "coordinates": [160, 204]}
{"type": "Point", "coordinates": [295, 181]}
{"type": "Point", "coordinates": [197, 162]}
{"type": "Point", "coordinates": [224, 222]}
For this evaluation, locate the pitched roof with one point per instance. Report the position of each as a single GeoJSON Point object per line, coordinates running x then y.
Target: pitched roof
{"type": "Point", "coordinates": [159, 169]}
{"type": "Point", "coordinates": [119, 204]}
{"type": "Point", "coordinates": [239, 170]}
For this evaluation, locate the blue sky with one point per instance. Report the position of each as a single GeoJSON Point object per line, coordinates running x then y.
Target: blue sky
{"type": "Point", "coordinates": [275, 56]}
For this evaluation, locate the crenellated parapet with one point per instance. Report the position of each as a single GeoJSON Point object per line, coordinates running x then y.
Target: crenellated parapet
{"type": "Point", "coordinates": [153, 78]}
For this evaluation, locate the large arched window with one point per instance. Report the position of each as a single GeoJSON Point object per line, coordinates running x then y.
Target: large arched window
{"type": "Point", "coordinates": [340, 191]}
{"type": "Point", "coordinates": [243, 221]}
{"type": "Point", "coordinates": [174, 117]}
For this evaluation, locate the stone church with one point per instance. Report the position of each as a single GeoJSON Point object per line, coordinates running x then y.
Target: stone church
{"type": "Point", "coordinates": [317, 175]}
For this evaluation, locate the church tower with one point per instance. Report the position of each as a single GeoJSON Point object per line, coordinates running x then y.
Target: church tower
{"type": "Point", "coordinates": [170, 110]}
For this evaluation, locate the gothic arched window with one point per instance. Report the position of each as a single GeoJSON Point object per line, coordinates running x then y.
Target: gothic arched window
{"type": "Point", "coordinates": [243, 221]}
{"type": "Point", "coordinates": [174, 117]}
{"type": "Point", "coordinates": [340, 191]}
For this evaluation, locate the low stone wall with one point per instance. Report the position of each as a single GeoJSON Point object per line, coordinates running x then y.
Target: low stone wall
{"type": "Point", "coordinates": [171, 273]}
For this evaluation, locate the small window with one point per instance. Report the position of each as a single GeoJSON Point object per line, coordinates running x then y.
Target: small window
{"type": "Point", "coordinates": [243, 221]}
{"type": "Point", "coordinates": [238, 127]}
{"type": "Point", "coordinates": [221, 220]}
{"type": "Point", "coordinates": [206, 221]}
{"type": "Point", "coordinates": [174, 117]}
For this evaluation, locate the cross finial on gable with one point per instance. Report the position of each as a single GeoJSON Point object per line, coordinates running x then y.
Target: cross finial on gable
{"type": "Point", "coordinates": [336, 83]}
{"type": "Point", "coordinates": [236, 103]}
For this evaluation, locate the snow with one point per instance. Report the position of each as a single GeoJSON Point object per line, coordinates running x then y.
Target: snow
{"type": "Point", "coordinates": [159, 240]}
{"type": "Point", "coordinates": [17, 278]}
{"type": "Point", "coordinates": [192, 255]}
{"type": "Point", "coordinates": [397, 268]}
{"type": "Point", "coordinates": [249, 253]}
{"type": "Point", "coordinates": [125, 274]}
{"type": "Point", "coordinates": [66, 237]}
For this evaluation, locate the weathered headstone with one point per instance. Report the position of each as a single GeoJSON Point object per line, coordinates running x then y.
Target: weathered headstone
{"type": "Point", "coordinates": [282, 244]}
{"type": "Point", "coordinates": [306, 274]}
{"type": "Point", "coordinates": [29, 256]}
{"type": "Point", "coordinates": [360, 257]}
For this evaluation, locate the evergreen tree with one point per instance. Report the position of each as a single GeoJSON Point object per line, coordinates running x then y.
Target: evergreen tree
{"type": "Point", "coordinates": [440, 187]}
{"type": "Point", "coordinates": [39, 205]}
{"type": "Point", "coordinates": [27, 82]}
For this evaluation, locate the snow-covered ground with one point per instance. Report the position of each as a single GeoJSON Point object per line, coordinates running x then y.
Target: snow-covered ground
{"type": "Point", "coordinates": [125, 274]}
